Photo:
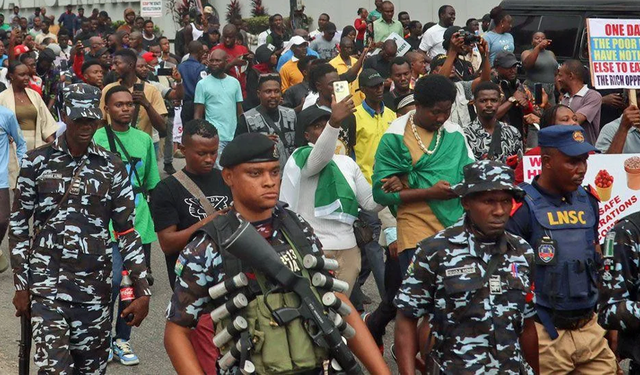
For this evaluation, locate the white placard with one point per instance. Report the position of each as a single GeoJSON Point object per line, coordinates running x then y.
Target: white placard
{"type": "Point", "coordinates": [151, 8]}
{"type": "Point", "coordinates": [614, 53]}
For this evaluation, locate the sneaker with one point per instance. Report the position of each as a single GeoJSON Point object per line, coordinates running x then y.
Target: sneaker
{"type": "Point", "coordinates": [178, 154]}
{"type": "Point", "coordinates": [150, 278]}
{"type": "Point", "coordinates": [122, 351]}
{"type": "Point", "coordinates": [4, 262]}
{"type": "Point", "coordinates": [169, 169]}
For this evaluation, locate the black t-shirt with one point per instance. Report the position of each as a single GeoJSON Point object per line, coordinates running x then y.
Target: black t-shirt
{"type": "Point", "coordinates": [172, 204]}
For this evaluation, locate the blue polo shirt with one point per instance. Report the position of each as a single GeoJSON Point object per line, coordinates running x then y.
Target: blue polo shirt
{"type": "Point", "coordinates": [9, 128]}
{"type": "Point", "coordinates": [192, 71]}
{"type": "Point", "coordinates": [289, 54]}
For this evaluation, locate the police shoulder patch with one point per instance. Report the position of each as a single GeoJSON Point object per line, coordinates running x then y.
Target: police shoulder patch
{"type": "Point", "coordinates": [609, 242]}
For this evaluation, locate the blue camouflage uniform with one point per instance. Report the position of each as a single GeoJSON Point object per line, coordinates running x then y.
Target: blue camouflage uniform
{"type": "Point", "coordinates": [476, 318]}
{"type": "Point", "coordinates": [65, 263]}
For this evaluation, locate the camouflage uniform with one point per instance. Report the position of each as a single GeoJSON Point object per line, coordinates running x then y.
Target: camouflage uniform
{"type": "Point", "coordinates": [476, 325]}
{"type": "Point", "coordinates": [200, 267]}
{"type": "Point", "coordinates": [620, 277]}
{"type": "Point", "coordinates": [67, 266]}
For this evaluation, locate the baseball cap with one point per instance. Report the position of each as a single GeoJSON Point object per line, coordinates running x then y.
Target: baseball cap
{"type": "Point", "coordinates": [488, 175]}
{"type": "Point", "coordinates": [311, 115]}
{"type": "Point", "coordinates": [207, 10]}
{"type": "Point", "coordinates": [568, 139]}
{"type": "Point", "coordinates": [505, 59]}
{"type": "Point", "coordinates": [20, 49]}
{"type": "Point", "coordinates": [369, 78]}
{"type": "Point", "coordinates": [82, 100]}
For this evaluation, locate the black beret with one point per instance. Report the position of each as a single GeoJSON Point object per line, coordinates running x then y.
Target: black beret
{"type": "Point", "coordinates": [249, 148]}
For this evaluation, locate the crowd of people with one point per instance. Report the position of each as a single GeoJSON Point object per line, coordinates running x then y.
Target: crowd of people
{"type": "Point", "coordinates": [346, 152]}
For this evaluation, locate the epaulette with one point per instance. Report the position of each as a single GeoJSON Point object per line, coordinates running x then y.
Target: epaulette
{"type": "Point", "coordinates": [591, 190]}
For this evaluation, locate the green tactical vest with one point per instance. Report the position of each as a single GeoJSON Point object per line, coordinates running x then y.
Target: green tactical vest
{"type": "Point", "coordinates": [276, 349]}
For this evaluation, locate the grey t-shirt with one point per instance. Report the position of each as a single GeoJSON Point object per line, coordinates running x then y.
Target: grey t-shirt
{"type": "Point", "coordinates": [327, 49]}
{"type": "Point", "coordinates": [631, 144]}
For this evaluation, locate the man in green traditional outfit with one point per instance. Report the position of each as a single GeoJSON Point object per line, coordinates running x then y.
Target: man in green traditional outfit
{"type": "Point", "coordinates": [427, 152]}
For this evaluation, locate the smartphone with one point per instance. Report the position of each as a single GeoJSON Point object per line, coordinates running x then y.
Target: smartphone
{"type": "Point", "coordinates": [165, 71]}
{"type": "Point", "coordinates": [537, 88]}
{"type": "Point", "coordinates": [138, 87]}
{"type": "Point", "coordinates": [341, 90]}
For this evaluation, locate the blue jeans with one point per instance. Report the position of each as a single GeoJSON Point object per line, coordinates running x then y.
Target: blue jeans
{"type": "Point", "coordinates": [123, 331]}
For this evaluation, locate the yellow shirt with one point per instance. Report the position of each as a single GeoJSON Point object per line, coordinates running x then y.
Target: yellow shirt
{"type": "Point", "coordinates": [290, 74]}
{"type": "Point", "coordinates": [370, 127]}
{"type": "Point", "coordinates": [415, 220]}
{"type": "Point", "coordinates": [153, 96]}
{"type": "Point", "coordinates": [342, 68]}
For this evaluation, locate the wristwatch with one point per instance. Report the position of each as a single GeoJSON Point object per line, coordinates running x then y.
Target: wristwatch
{"type": "Point", "coordinates": [513, 100]}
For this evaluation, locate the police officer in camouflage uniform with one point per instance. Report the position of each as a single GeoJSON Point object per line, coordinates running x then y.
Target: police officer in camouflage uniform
{"type": "Point", "coordinates": [62, 270]}
{"type": "Point", "coordinates": [253, 174]}
{"type": "Point", "coordinates": [472, 281]}
{"type": "Point", "coordinates": [559, 219]}
{"type": "Point", "coordinates": [620, 292]}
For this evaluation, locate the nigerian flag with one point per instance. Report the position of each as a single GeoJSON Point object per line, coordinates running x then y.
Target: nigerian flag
{"type": "Point", "coordinates": [334, 197]}
{"type": "Point", "coordinates": [394, 159]}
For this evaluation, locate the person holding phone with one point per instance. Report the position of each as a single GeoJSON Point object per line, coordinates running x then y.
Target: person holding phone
{"type": "Point", "coordinates": [541, 65]}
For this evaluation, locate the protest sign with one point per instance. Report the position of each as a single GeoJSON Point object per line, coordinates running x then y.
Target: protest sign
{"type": "Point", "coordinates": [614, 53]}
{"type": "Point", "coordinates": [403, 45]}
{"type": "Point", "coordinates": [151, 8]}
{"type": "Point", "coordinates": [618, 198]}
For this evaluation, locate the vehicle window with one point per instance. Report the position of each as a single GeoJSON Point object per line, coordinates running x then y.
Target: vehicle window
{"type": "Point", "coordinates": [523, 29]}
{"type": "Point", "coordinates": [563, 31]}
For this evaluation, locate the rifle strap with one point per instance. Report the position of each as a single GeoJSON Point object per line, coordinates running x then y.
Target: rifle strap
{"type": "Point", "coordinates": [197, 193]}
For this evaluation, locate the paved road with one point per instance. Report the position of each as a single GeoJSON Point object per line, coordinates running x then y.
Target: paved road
{"type": "Point", "coordinates": [147, 340]}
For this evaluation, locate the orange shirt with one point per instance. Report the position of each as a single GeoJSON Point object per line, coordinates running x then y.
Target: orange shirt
{"type": "Point", "coordinates": [290, 74]}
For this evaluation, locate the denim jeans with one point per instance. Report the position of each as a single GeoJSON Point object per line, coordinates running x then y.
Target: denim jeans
{"type": "Point", "coordinates": [123, 331]}
{"type": "Point", "coordinates": [168, 144]}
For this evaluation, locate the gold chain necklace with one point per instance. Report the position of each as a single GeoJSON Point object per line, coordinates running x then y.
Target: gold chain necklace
{"type": "Point", "coordinates": [420, 143]}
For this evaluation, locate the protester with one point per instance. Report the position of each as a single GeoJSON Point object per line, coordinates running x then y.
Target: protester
{"type": "Point", "coordinates": [278, 33]}
{"type": "Point", "coordinates": [270, 118]}
{"type": "Point", "coordinates": [73, 311]}
{"type": "Point", "coordinates": [360, 25]}
{"type": "Point", "coordinates": [10, 139]}
{"type": "Point", "coordinates": [401, 77]}
{"type": "Point", "coordinates": [499, 39]}
{"type": "Point", "coordinates": [135, 148]}
{"type": "Point", "coordinates": [419, 64]}
{"type": "Point", "coordinates": [572, 80]}
{"type": "Point", "coordinates": [192, 71]}
{"type": "Point", "coordinates": [345, 61]}
{"type": "Point", "coordinates": [377, 12]}
{"type": "Point", "coordinates": [294, 97]}
{"type": "Point", "coordinates": [386, 25]}
{"type": "Point", "coordinates": [428, 153]}
{"type": "Point", "coordinates": [432, 39]}
{"type": "Point", "coordinates": [93, 73]}
{"type": "Point", "coordinates": [326, 45]}
{"type": "Point", "coordinates": [414, 35]}
{"type": "Point", "coordinates": [323, 20]}
{"type": "Point", "coordinates": [67, 19]}
{"type": "Point", "coordinates": [149, 37]}
{"type": "Point", "coordinates": [622, 136]}
{"type": "Point", "coordinates": [237, 56]}
{"type": "Point", "coordinates": [290, 72]}
{"type": "Point", "coordinates": [488, 138]}
{"type": "Point", "coordinates": [541, 65]}
{"type": "Point", "coordinates": [218, 98]}
{"type": "Point", "coordinates": [382, 61]}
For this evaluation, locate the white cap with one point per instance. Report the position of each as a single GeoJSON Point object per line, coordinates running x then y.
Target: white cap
{"type": "Point", "coordinates": [294, 41]}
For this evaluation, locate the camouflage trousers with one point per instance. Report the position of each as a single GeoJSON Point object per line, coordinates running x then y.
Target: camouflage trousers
{"type": "Point", "coordinates": [70, 338]}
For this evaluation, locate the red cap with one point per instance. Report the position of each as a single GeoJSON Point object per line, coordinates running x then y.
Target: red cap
{"type": "Point", "coordinates": [125, 273]}
{"type": "Point", "coordinates": [20, 49]}
{"type": "Point", "coordinates": [148, 57]}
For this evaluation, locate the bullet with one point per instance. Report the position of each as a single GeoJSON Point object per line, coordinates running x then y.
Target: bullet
{"type": "Point", "coordinates": [330, 300]}
{"type": "Point", "coordinates": [230, 307]}
{"type": "Point", "coordinates": [234, 329]}
{"type": "Point", "coordinates": [321, 281]}
{"type": "Point", "coordinates": [229, 285]}
{"type": "Point", "coordinates": [344, 327]}
{"type": "Point", "coordinates": [312, 262]}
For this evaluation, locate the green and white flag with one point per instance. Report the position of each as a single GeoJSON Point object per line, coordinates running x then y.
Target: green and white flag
{"type": "Point", "coordinates": [334, 197]}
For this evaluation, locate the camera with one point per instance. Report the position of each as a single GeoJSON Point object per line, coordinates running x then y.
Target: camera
{"type": "Point", "coordinates": [469, 37]}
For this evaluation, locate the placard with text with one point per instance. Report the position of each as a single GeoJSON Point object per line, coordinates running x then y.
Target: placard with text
{"type": "Point", "coordinates": [616, 178]}
{"type": "Point", "coordinates": [614, 53]}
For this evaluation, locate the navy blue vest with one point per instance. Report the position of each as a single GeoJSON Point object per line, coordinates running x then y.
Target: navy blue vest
{"type": "Point", "coordinates": [571, 283]}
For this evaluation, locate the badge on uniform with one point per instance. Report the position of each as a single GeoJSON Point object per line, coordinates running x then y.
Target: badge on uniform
{"type": "Point", "coordinates": [495, 284]}
{"type": "Point", "coordinates": [609, 242]}
{"type": "Point", "coordinates": [546, 252]}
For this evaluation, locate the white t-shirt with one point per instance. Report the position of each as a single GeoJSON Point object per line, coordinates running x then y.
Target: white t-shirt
{"type": "Point", "coordinates": [432, 41]}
